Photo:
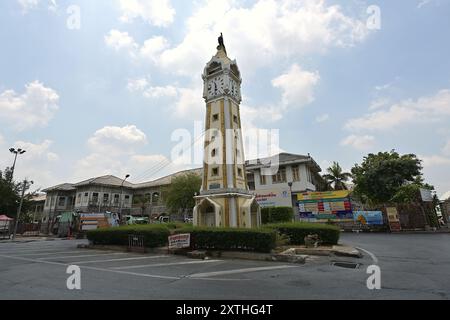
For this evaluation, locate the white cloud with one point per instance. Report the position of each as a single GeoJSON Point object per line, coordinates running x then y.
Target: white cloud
{"type": "Point", "coordinates": [258, 34]}
{"type": "Point", "coordinates": [297, 86]}
{"type": "Point", "coordinates": [118, 151]}
{"type": "Point", "coordinates": [435, 160]}
{"type": "Point", "coordinates": [28, 4]}
{"type": "Point", "coordinates": [120, 40]}
{"type": "Point", "coordinates": [423, 3]}
{"type": "Point", "coordinates": [152, 48]}
{"type": "Point", "coordinates": [137, 84]}
{"type": "Point", "coordinates": [112, 140]}
{"type": "Point", "coordinates": [34, 108]}
{"type": "Point", "coordinates": [378, 103]}
{"type": "Point", "coordinates": [425, 109]}
{"type": "Point", "coordinates": [159, 13]}
{"type": "Point", "coordinates": [359, 142]}
{"type": "Point", "coordinates": [160, 92]}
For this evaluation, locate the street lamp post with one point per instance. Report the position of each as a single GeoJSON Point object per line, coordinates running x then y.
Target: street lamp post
{"type": "Point", "coordinates": [16, 153]}
{"type": "Point", "coordinates": [121, 196]}
{"type": "Point", "coordinates": [24, 187]}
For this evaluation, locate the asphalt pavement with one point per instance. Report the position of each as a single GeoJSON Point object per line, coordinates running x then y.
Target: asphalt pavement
{"type": "Point", "coordinates": [413, 266]}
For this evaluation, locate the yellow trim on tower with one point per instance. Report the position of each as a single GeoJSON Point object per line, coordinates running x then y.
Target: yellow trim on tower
{"type": "Point", "coordinates": [205, 164]}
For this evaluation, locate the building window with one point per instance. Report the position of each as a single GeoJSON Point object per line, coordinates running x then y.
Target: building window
{"type": "Point", "coordinates": [116, 199]}
{"type": "Point", "coordinates": [79, 198]}
{"type": "Point", "coordinates": [127, 199]}
{"type": "Point", "coordinates": [239, 172]}
{"type": "Point", "coordinates": [61, 201]}
{"type": "Point", "coordinates": [235, 119]}
{"type": "Point", "coordinates": [95, 197]}
{"type": "Point", "coordinates": [213, 152]}
{"type": "Point", "coordinates": [52, 201]}
{"type": "Point", "coordinates": [296, 173]}
{"type": "Point", "coordinates": [262, 179]}
{"type": "Point", "coordinates": [86, 195]}
{"type": "Point", "coordinates": [215, 117]}
{"type": "Point", "coordinates": [215, 172]}
{"type": "Point", "coordinates": [105, 198]}
{"type": "Point", "coordinates": [238, 153]}
{"type": "Point", "coordinates": [155, 198]}
{"type": "Point", "coordinates": [280, 176]}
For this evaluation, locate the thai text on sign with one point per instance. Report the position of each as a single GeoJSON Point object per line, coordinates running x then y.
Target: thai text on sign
{"type": "Point", "coordinates": [180, 241]}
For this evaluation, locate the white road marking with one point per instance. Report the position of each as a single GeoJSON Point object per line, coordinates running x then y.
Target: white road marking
{"type": "Point", "coordinates": [166, 264]}
{"type": "Point", "coordinates": [56, 252]}
{"type": "Point", "coordinates": [235, 271]}
{"type": "Point", "coordinates": [374, 258]}
{"type": "Point", "coordinates": [114, 260]}
{"type": "Point", "coordinates": [84, 256]}
{"type": "Point", "coordinates": [145, 275]}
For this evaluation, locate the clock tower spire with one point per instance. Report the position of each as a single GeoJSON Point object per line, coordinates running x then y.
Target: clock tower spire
{"type": "Point", "coordinates": [224, 200]}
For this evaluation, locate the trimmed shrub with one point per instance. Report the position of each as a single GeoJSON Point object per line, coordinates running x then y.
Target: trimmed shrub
{"type": "Point", "coordinates": [297, 231]}
{"type": "Point", "coordinates": [276, 215]}
{"type": "Point", "coordinates": [259, 240]}
{"type": "Point", "coordinates": [155, 235]}
{"type": "Point", "coordinates": [265, 215]}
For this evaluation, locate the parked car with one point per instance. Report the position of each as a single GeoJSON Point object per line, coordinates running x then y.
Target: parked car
{"type": "Point", "coordinates": [136, 220]}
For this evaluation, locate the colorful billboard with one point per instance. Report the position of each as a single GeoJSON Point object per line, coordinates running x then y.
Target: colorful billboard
{"type": "Point", "coordinates": [324, 205]}
{"type": "Point", "coordinates": [368, 217]}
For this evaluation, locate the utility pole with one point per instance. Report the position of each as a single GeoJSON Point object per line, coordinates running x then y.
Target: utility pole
{"type": "Point", "coordinates": [121, 197]}
{"type": "Point", "coordinates": [24, 187]}
{"type": "Point", "coordinates": [16, 153]}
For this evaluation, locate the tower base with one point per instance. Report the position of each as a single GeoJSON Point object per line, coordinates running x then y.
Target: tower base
{"type": "Point", "coordinates": [227, 209]}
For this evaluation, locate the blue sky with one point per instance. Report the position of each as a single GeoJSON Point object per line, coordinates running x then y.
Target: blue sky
{"type": "Point", "coordinates": [107, 96]}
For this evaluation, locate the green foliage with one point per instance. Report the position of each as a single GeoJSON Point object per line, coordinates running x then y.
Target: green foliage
{"type": "Point", "coordinates": [407, 193]}
{"type": "Point", "coordinates": [259, 240]}
{"type": "Point", "coordinates": [297, 231]}
{"type": "Point", "coordinates": [155, 235]}
{"type": "Point", "coordinates": [336, 177]}
{"type": "Point", "coordinates": [380, 176]}
{"type": "Point", "coordinates": [10, 193]}
{"type": "Point", "coordinates": [180, 194]}
{"type": "Point", "coordinates": [277, 214]}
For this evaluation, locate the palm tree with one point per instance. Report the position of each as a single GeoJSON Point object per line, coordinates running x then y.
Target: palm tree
{"type": "Point", "coordinates": [336, 177]}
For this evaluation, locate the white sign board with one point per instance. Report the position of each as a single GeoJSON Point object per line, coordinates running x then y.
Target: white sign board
{"type": "Point", "coordinates": [426, 195]}
{"type": "Point", "coordinates": [180, 241]}
{"type": "Point", "coordinates": [273, 197]}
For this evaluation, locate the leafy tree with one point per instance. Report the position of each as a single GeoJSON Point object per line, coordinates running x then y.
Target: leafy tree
{"type": "Point", "coordinates": [180, 194]}
{"type": "Point", "coordinates": [10, 193]}
{"type": "Point", "coordinates": [388, 176]}
{"type": "Point", "coordinates": [142, 201]}
{"type": "Point", "coordinates": [336, 177]}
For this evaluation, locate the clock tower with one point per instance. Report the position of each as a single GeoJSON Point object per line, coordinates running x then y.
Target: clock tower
{"type": "Point", "coordinates": [224, 200]}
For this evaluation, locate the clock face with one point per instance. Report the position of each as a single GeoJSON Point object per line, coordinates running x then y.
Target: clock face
{"type": "Point", "coordinates": [216, 86]}
{"type": "Point", "coordinates": [234, 88]}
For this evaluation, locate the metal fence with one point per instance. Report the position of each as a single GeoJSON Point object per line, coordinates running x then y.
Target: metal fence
{"type": "Point", "coordinates": [136, 243]}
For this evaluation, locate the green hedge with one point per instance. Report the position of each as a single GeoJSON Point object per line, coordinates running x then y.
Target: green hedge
{"type": "Point", "coordinates": [259, 240]}
{"type": "Point", "coordinates": [297, 231]}
{"type": "Point", "coordinates": [277, 215]}
{"type": "Point", "coordinates": [155, 235]}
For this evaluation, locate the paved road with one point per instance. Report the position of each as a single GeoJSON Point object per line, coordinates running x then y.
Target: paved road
{"type": "Point", "coordinates": [412, 266]}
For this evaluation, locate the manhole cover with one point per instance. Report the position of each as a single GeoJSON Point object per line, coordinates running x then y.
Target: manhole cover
{"type": "Point", "coordinates": [343, 264]}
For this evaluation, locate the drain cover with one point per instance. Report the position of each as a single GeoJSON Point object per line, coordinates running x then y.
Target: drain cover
{"type": "Point", "coordinates": [343, 264]}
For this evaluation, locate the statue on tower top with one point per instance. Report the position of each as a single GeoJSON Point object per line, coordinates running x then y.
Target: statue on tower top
{"type": "Point", "coordinates": [221, 43]}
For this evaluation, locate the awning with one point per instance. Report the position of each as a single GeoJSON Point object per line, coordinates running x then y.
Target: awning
{"type": "Point", "coordinates": [5, 218]}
